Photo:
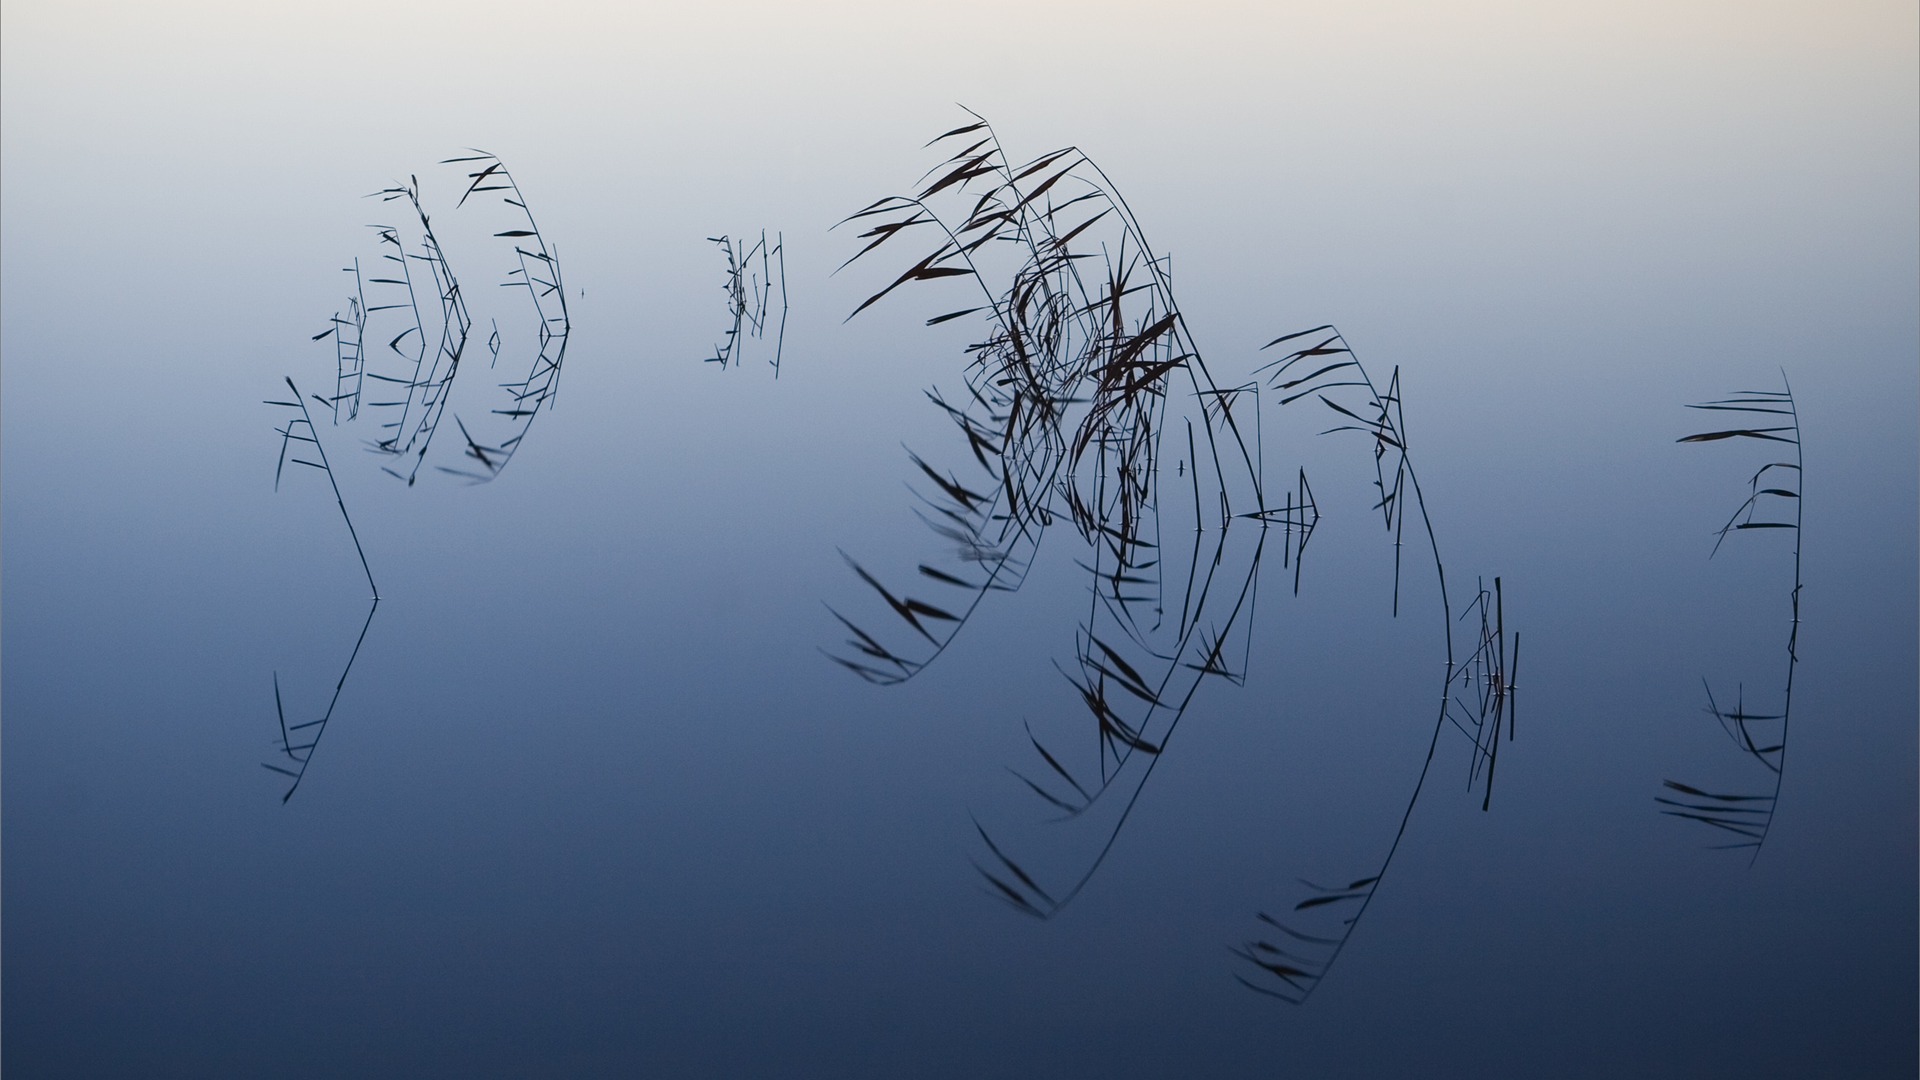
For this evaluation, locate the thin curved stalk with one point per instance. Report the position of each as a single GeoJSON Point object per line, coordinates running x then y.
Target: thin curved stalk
{"type": "Point", "coordinates": [1293, 971]}
{"type": "Point", "coordinates": [300, 429]}
{"type": "Point", "coordinates": [1748, 814]}
{"type": "Point", "coordinates": [1068, 399]}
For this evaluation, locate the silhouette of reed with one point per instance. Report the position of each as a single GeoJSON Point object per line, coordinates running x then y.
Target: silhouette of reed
{"type": "Point", "coordinates": [417, 292]}
{"type": "Point", "coordinates": [1082, 366]}
{"type": "Point", "coordinates": [538, 273]}
{"type": "Point", "coordinates": [753, 275]}
{"type": "Point", "coordinates": [300, 755]}
{"type": "Point", "coordinates": [1760, 736]}
{"type": "Point", "coordinates": [1063, 396]}
{"type": "Point", "coordinates": [424, 377]}
{"type": "Point", "coordinates": [349, 348]}
{"type": "Point", "coordinates": [1476, 693]}
{"type": "Point", "coordinates": [420, 363]}
{"type": "Point", "coordinates": [300, 429]}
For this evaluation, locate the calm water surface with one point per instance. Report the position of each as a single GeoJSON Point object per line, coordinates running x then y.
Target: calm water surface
{"type": "Point", "coordinates": [593, 802]}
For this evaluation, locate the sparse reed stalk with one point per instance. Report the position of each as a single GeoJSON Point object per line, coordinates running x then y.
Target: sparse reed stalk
{"type": "Point", "coordinates": [750, 292]}
{"type": "Point", "coordinates": [301, 754]}
{"type": "Point", "coordinates": [300, 429]}
{"type": "Point", "coordinates": [1475, 694]}
{"type": "Point", "coordinates": [1064, 415]}
{"type": "Point", "coordinates": [1761, 737]}
{"type": "Point", "coordinates": [349, 349]}
{"type": "Point", "coordinates": [428, 385]}
{"type": "Point", "coordinates": [423, 375]}
{"type": "Point", "coordinates": [537, 272]}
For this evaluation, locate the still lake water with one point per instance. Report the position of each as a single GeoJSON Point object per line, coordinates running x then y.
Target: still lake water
{"type": "Point", "coordinates": [592, 800]}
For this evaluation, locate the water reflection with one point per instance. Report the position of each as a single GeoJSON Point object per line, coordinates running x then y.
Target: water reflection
{"type": "Point", "coordinates": [754, 275]}
{"type": "Point", "coordinates": [300, 430]}
{"type": "Point", "coordinates": [430, 306]}
{"type": "Point", "coordinates": [1084, 367]}
{"type": "Point", "coordinates": [426, 301]}
{"type": "Point", "coordinates": [1759, 736]}
{"type": "Point", "coordinates": [1476, 692]}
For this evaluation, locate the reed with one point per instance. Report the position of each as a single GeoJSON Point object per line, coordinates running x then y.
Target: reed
{"type": "Point", "coordinates": [1079, 355]}
{"type": "Point", "coordinates": [1476, 694]}
{"type": "Point", "coordinates": [537, 273]}
{"type": "Point", "coordinates": [349, 332]}
{"type": "Point", "coordinates": [425, 377]}
{"type": "Point", "coordinates": [1761, 737]}
{"type": "Point", "coordinates": [300, 430]}
{"type": "Point", "coordinates": [754, 275]}
{"type": "Point", "coordinates": [419, 299]}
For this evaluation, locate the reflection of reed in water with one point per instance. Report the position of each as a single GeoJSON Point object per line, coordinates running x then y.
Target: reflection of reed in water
{"type": "Point", "coordinates": [300, 754]}
{"type": "Point", "coordinates": [1476, 694]}
{"type": "Point", "coordinates": [1761, 737]}
{"type": "Point", "coordinates": [300, 430]}
{"type": "Point", "coordinates": [416, 291]}
{"type": "Point", "coordinates": [1082, 368]}
{"type": "Point", "coordinates": [419, 364]}
{"type": "Point", "coordinates": [754, 274]}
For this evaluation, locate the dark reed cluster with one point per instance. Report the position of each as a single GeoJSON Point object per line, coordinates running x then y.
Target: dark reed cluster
{"type": "Point", "coordinates": [1083, 399]}
{"type": "Point", "coordinates": [1772, 502]}
{"type": "Point", "coordinates": [1083, 396]}
{"type": "Point", "coordinates": [419, 297]}
{"type": "Point", "coordinates": [1084, 402]}
{"type": "Point", "coordinates": [1086, 399]}
{"type": "Point", "coordinates": [300, 430]}
{"type": "Point", "coordinates": [754, 275]}
{"type": "Point", "coordinates": [1476, 691]}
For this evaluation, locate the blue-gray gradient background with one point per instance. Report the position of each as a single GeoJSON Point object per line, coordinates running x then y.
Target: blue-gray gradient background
{"type": "Point", "coordinates": [593, 802]}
